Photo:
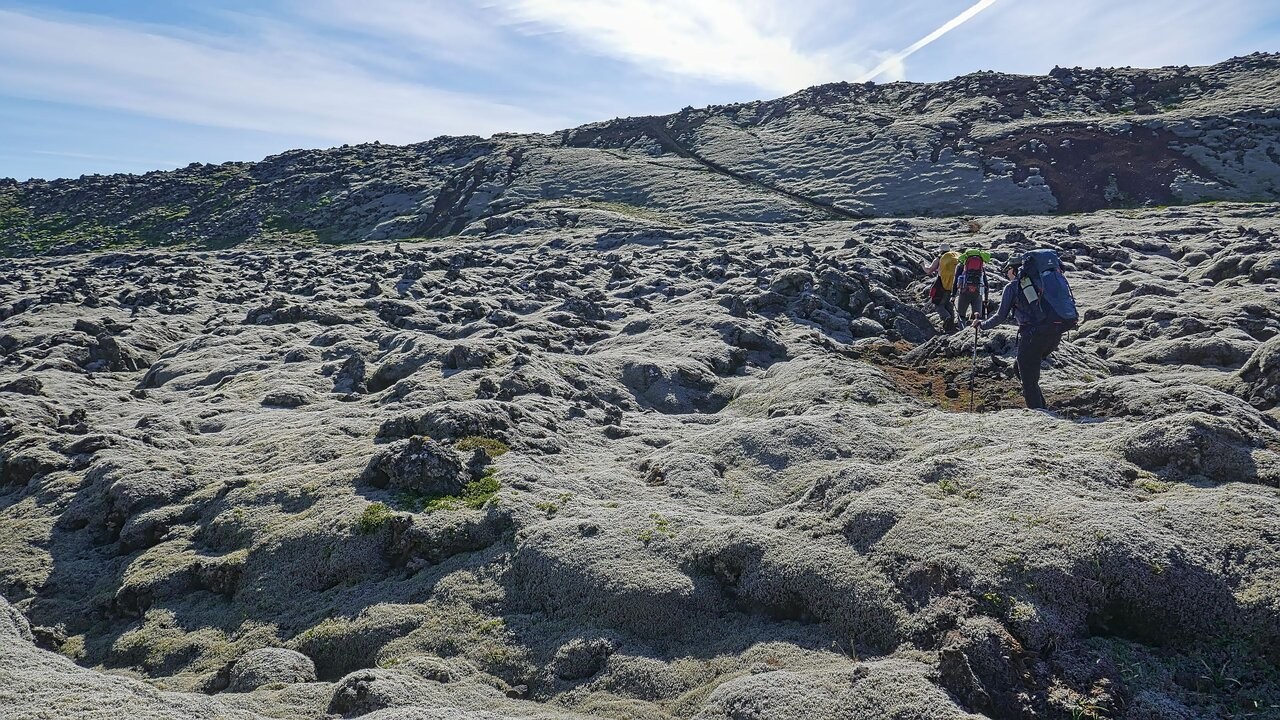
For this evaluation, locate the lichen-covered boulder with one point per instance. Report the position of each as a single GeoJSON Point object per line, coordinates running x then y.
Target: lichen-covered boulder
{"type": "Point", "coordinates": [269, 666]}
{"type": "Point", "coordinates": [419, 464]}
{"type": "Point", "coordinates": [1260, 376]}
{"type": "Point", "coordinates": [1191, 444]}
{"type": "Point", "coordinates": [582, 657]}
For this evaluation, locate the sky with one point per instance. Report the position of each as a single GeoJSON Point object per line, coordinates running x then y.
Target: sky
{"type": "Point", "coordinates": [103, 86]}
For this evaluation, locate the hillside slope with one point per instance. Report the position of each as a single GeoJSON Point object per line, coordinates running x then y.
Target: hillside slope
{"type": "Point", "coordinates": [1075, 140]}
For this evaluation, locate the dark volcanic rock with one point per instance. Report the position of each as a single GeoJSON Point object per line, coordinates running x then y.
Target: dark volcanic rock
{"type": "Point", "coordinates": [27, 385]}
{"type": "Point", "coordinates": [419, 464]}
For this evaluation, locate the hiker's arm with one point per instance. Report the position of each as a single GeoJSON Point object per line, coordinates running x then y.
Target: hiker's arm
{"type": "Point", "coordinates": [933, 269]}
{"type": "Point", "coordinates": [1006, 304]}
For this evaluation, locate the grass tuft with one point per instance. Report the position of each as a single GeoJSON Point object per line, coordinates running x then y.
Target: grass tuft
{"type": "Point", "coordinates": [373, 517]}
{"type": "Point", "coordinates": [492, 448]}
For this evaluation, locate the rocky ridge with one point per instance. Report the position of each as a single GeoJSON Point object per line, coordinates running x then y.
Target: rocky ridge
{"type": "Point", "coordinates": [584, 464]}
{"type": "Point", "coordinates": [1076, 140]}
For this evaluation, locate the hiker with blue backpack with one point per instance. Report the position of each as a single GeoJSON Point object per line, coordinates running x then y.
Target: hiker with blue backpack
{"type": "Point", "coordinates": [1043, 307]}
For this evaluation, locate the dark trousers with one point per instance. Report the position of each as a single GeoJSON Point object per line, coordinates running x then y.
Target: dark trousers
{"type": "Point", "coordinates": [969, 306]}
{"type": "Point", "coordinates": [945, 311]}
{"type": "Point", "coordinates": [1034, 345]}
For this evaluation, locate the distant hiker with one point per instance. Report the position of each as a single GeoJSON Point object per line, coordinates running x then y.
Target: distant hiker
{"type": "Point", "coordinates": [943, 286]}
{"type": "Point", "coordinates": [1043, 307]}
{"type": "Point", "coordinates": [971, 285]}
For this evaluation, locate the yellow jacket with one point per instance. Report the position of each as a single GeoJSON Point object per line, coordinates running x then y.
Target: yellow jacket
{"type": "Point", "coordinates": [947, 265]}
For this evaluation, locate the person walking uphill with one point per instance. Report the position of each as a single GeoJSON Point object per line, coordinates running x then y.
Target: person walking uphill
{"type": "Point", "coordinates": [971, 285]}
{"type": "Point", "coordinates": [1043, 307]}
{"type": "Point", "coordinates": [940, 292]}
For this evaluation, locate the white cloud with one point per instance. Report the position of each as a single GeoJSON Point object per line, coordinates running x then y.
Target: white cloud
{"type": "Point", "coordinates": [297, 86]}
{"type": "Point", "coordinates": [457, 31]}
{"type": "Point", "coordinates": [723, 41]}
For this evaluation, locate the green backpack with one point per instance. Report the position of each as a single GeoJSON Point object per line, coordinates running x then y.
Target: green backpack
{"type": "Point", "coordinates": [971, 278]}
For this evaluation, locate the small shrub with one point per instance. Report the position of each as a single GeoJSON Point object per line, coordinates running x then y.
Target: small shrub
{"type": "Point", "coordinates": [73, 647]}
{"type": "Point", "coordinates": [492, 448]}
{"type": "Point", "coordinates": [1219, 675]}
{"type": "Point", "coordinates": [373, 517]}
{"type": "Point", "coordinates": [973, 226]}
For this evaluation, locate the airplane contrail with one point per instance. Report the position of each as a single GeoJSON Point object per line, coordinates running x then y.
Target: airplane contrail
{"type": "Point", "coordinates": [947, 27]}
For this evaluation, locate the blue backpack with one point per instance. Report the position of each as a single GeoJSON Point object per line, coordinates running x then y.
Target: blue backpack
{"type": "Point", "coordinates": [1045, 290]}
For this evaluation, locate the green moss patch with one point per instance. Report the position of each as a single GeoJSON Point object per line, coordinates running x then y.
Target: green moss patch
{"type": "Point", "coordinates": [373, 517]}
{"type": "Point", "coordinates": [475, 495]}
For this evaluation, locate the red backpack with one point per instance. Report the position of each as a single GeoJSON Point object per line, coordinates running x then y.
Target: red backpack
{"type": "Point", "coordinates": [970, 281]}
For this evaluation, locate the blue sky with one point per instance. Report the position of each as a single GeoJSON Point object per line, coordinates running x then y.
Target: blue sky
{"type": "Point", "coordinates": [136, 85]}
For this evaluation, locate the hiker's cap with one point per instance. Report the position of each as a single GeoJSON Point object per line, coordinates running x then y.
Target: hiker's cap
{"type": "Point", "coordinates": [1013, 262]}
{"type": "Point", "coordinates": [944, 247]}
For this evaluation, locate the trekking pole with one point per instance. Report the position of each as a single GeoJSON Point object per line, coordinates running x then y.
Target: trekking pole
{"type": "Point", "coordinates": [973, 372]}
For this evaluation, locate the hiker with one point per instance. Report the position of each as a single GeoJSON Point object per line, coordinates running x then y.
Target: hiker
{"type": "Point", "coordinates": [1043, 307]}
{"type": "Point", "coordinates": [940, 291]}
{"type": "Point", "coordinates": [971, 285]}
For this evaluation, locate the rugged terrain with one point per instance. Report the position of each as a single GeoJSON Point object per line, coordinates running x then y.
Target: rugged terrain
{"type": "Point", "coordinates": [726, 494]}
{"type": "Point", "coordinates": [1075, 140]}
{"type": "Point", "coordinates": [697, 453]}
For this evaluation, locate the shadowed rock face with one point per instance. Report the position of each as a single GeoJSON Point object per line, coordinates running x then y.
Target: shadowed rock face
{"type": "Point", "coordinates": [1073, 141]}
{"type": "Point", "coordinates": [1087, 168]}
{"type": "Point", "coordinates": [579, 464]}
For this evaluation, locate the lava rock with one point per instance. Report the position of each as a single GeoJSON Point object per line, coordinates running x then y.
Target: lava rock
{"type": "Point", "coordinates": [268, 666]}
{"type": "Point", "coordinates": [418, 464]}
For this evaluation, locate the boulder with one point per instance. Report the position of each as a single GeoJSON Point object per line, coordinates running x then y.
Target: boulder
{"type": "Point", "coordinates": [268, 666]}
{"type": "Point", "coordinates": [1259, 379]}
{"type": "Point", "coordinates": [419, 464]}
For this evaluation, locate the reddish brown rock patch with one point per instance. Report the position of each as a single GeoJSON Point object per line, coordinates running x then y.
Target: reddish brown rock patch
{"type": "Point", "coordinates": [1088, 168]}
